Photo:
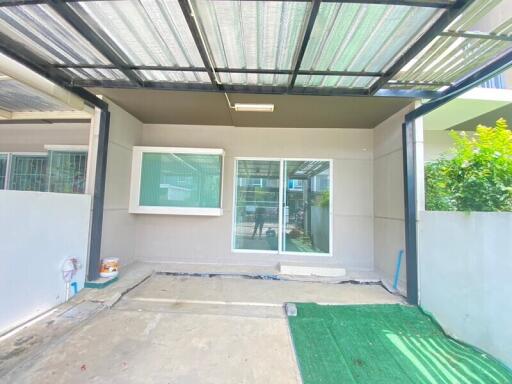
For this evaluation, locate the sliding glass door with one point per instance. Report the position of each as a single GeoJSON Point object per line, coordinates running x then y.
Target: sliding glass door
{"type": "Point", "coordinates": [257, 205]}
{"type": "Point", "coordinates": [306, 206]}
{"type": "Point", "coordinates": [282, 206]}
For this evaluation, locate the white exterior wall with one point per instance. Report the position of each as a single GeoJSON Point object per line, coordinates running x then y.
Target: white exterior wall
{"type": "Point", "coordinates": [33, 137]}
{"type": "Point", "coordinates": [208, 239]}
{"type": "Point", "coordinates": [38, 231]}
{"type": "Point", "coordinates": [389, 223]}
{"type": "Point", "coordinates": [465, 265]}
{"type": "Point", "coordinates": [118, 239]}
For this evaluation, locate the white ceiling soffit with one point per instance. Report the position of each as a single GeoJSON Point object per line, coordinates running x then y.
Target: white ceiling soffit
{"type": "Point", "coordinates": [471, 105]}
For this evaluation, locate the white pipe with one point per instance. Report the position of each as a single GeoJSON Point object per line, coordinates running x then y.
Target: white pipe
{"type": "Point", "coordinates": [24, 75]}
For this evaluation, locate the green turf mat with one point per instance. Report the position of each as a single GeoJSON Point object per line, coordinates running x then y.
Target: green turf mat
{"type": "Point", "coordinates": [384, 344]}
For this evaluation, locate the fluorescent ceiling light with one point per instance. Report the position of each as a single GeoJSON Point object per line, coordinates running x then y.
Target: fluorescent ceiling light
{"type": "Point", "coordinates": [242, 107]}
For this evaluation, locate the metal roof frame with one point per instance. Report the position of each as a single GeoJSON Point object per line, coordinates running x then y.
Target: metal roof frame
{"type": "Point", "coordinates": [417, 3]}
{"type": "Point", "coordinates": [451, 14]}
{"type": "Point", "coordinates": [383, 86]}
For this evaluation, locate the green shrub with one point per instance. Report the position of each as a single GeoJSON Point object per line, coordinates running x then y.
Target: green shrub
{"type": "Point", "coordinates": [479, 175]}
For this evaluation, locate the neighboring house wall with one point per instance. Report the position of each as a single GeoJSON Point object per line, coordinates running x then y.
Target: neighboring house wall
{"type": "Point", "coordinates": [507, 75]}
{"type": "Point", "coordinates": [208, 239]}
{"type": "Point", "coordinates": [465, 262]}
{"type": "Point", "coordinates": [38, 231]}
{"type": "Point", "coordinates": [33, 137]}
{"type": "Point", "coordinates": [389, 224]}
{"type": "Point", "coordinates": [437, 143]}
{"type": "Point", "coordinates": [118, 239]}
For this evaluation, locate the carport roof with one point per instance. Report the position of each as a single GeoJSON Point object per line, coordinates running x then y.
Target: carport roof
{"type": "Point", "coordinates": [417, 48]}
{"type": "Point", "coordinates": [18, 97]}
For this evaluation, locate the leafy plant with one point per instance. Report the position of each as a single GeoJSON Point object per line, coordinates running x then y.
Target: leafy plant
{"type": "Point", "coordinates": [478, 177]}
{"type": "Point", "coordinates": [322, 200]}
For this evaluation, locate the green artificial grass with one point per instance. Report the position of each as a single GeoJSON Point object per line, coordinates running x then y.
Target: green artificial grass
{"type": "Point", "coordinates": [383, 344]}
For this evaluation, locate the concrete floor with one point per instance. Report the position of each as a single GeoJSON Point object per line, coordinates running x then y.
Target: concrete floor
{"type": "Point", "coordinates": [174, 329]}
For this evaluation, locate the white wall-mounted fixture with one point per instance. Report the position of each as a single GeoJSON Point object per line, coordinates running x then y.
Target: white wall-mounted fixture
{"type": "Point", "coordinates": [246, 107]}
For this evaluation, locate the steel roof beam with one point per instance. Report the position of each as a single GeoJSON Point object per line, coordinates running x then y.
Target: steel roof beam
{"type": "Point", "coordinates": [477, 35]}
{"type": "Point", "coordinates": [444, 21]}
{"type": "Point", "coordinates": [260, 89]}
{"type": "Point", "coordinates": [219, 70]}
{"type": "Point", "coordinates": [304, 43]}
{"type": "Point", "coordinates": [190, 18]}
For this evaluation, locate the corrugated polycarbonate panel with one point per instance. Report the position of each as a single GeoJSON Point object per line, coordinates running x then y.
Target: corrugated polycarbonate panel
{"type": "Point", "coordinates": [17, 97]}
{"type": "Point", "coordinates": [254, 79]}
{"type": "Point", "coordinates": [95, 74]}
{"type": "Point", "coordinates": [175, 76]}
{"type": "Point", "coordinates": [45, 33]}
{"type": "Point", "coordinates": [363, 37]}
{"type": "Point", "coordinates": [468, 56]}
{"type": "Point", "coordinates": [146, 32]}
{"type": "Point", "coordinates": [452, 58]}
{"type": "Point", "coordinates": [471, 18]}
{"type": "Point", "coordinates": [252, 34]}
{"type": "Point", "coordinates": [320, 81]}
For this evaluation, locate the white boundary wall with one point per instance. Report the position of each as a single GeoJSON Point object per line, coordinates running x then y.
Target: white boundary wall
{"type": "Point", "coordinates": [465, 266]}
{"type": "Point", "coordinates": [388, 199]}
{"type": "Point", "coordinates": [38, 231]}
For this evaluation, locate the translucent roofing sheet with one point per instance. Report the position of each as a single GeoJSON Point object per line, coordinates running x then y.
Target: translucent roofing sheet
{"type": "Point", "coordinates": [254, 79]}
{"type": "Point", "coordinates": [335, 81]}
{"type": "Point", "coordinates": [17, 97]}
{"type": "Point", "coordinates": [449, 59]}
{"type": "Point", "coordinates": [175, 76]}
{"type": "Point", "coordinates": [145, 32]}
{"type": "Point", "coordinates": [476, 17]}
{"type": "Point", "coordinates": [252, 34]}
{"type": "Point", "coordinates": [363, 37]}
{"type": "Point", "coordinates": [95, 74]}
{"type": "Point", "coordinates": [40, 29]}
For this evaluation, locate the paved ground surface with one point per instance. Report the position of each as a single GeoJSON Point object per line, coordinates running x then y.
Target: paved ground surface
{"type": "Point", "coordinates": [171, 329]}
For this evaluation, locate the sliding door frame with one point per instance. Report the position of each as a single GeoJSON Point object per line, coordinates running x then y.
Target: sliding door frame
{"type": "Point", "coordinates": [282, 191]}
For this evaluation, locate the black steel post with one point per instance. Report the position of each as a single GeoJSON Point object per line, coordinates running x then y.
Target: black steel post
{"type": "Point", "coordinates": [99, 197]}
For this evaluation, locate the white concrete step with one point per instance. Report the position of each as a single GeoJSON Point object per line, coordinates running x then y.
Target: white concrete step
{"type": "Point", "coordinates": [310, 270]}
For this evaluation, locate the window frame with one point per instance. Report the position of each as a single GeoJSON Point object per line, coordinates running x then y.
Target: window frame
{"type": "Point", "coordinates": [282, 191]}
{"type": "Point", "coordinates": [24, 154]}
{"type": "Point", "coordinates": [78, 148]}
{"type": "Point", "coordinates": [136, 208]}
{"type": "Point", "coordinates": [72, 149]}
{"type": "Point", "coordinates": [7, 170]}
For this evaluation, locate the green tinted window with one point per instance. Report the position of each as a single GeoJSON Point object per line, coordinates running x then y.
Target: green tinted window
{"type": "Point", "coordinates": [28, 173]}
{"type": "Point", "coordinates": [3, 170]}
{"type": "Point", "coordinates": [180, 180]}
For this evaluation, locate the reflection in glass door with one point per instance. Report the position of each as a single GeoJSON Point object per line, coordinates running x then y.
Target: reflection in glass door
{"type": "Point", "coordinates": [257, 205]}
{"type": "Point", "coordinates": [283, 206]}
{"type": "Point", "coordinates": [306, 206]}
